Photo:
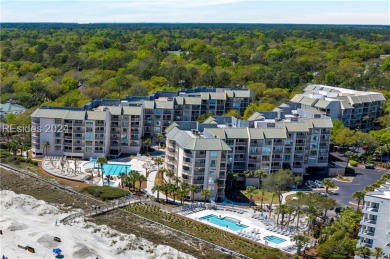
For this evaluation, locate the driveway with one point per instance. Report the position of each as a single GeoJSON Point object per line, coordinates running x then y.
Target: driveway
{"type": "Point", "coordinates": [363, 178]}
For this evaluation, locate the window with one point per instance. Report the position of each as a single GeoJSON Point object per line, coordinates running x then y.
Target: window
{"type": "Point", "coordinates": [157, 130]}
{"type": "Point", "coordinates": [57, 148]}
{"type": "Point", "coordinates": [88, 136]}
{"type": "Point", "coordinates": [88, 149]}
{"type": "Point", "coordinates": [57, 121]}
{"type": "Point", "coordinates": [213, 163]}
{"type": "Point", "coordinates": [125, 124]}
{"type": "Point", "coordinates": [89, 123]}
{"type": "Point", "coordinates": [213, 154]}
{"type": "Point", "coordinates": [266, 150]}
{"type": "Point", "coordinates": [212, 172]}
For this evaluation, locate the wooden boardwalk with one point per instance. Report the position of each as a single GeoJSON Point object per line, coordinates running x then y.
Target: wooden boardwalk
{"type": "Point", "coordinates": [97, 210]}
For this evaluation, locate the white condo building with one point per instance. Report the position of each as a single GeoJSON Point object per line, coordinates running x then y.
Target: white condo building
{"type": "Point", "coordinates": [375, 225]}
{"type": "Point", "coordinates": [356, 109]}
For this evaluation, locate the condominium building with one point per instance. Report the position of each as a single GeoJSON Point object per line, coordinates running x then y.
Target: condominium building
{"type": "Point", "coordinates": [289, 142]}
{"type": "Point", "coordinates": [375, 225]}
{"type": "Point", "coordinates": [103, 131]}
{"type": "Point", "coordinates": [198, 160]}
{"type": "Point", "coordinates": [356, 109]}
{"type": "Point", "coordinates": [112, 127]}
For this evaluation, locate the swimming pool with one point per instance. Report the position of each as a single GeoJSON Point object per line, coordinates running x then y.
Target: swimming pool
{"type": "Point", "coordinates": [230, 223]}
{"type": "Point", "coordinates": [275, 239]}
{"type": "Point", "coordinates": [111, 169]}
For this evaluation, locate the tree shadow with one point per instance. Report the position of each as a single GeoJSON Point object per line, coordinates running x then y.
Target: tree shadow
{"type": "Point", "coordinates": [237, 196]}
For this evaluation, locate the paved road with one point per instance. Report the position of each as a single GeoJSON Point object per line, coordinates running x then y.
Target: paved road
{"type": "Point", "coordinates": [363, 178]}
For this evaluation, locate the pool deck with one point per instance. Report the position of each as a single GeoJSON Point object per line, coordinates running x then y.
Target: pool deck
{"type": "Point", "coordinates": [254, 226]}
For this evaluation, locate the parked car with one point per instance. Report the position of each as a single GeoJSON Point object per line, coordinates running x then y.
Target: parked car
{"type": "Point", "coordinates": [324, 194]}
{"type": "Point", "coordinates": [310, 184]}
{"type": "Point", "coordinates": [369, 166]}
{"type": "Point", "coordinates": [319, 184]}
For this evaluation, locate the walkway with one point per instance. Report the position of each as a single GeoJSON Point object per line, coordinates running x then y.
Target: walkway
{"type": "Point", "coordinates": [97, 210]}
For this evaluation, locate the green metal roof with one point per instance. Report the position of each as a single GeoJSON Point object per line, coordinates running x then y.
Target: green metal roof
{"type": "Point", "coordinates": [296, 126]}
{"type": "Point", "coordinates": [50, 113]}
{"type": "Point", "coordinates": [11, 107]}
{"type": "Point", "coordinates": [75, 115]}
{"type": "Point", "coordinates": [322, 123]}
{"type": "Point", "coordinates": [132, 110]}
{"type": "Point", "coordinates": [186, 140]}
{"type": "Point", "coordinates": [96, 115]}
{"type": "Point", "coordinates": [235, 133]}
{"type": "Point", "coordinates": [272, 133]}
{"type": "Point", "coordinates": [322, 104]}
{"type": "Point", "coordinates": [164, 104]}
{"type": "Point", "coordinates": [256, 133]}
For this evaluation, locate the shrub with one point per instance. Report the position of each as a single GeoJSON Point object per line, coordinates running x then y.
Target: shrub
{"type": "Point", "coordinates": [349, 170]}
{"type": "Point", "coordinates": [106, 192]}
{"type": "Point", "coordinates": [353, 163]}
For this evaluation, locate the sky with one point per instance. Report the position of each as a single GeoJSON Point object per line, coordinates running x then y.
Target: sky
{"type": "Point", "coordinates": [375, 12]}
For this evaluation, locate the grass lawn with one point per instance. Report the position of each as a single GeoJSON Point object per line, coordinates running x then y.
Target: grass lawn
{"type": "Point", "coordinates": [290, 196]}
{"type": "Point", "coordinates": [257, 197]}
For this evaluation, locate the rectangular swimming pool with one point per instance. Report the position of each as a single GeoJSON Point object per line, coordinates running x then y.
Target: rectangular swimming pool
{"type": "Point", "coordinates": [225, 222]}
{"type": "Point", "coordinates": [275, 239]}
{"type": "Point", "coordinates": [111, 169]}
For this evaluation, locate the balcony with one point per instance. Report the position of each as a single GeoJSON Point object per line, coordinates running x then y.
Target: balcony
{"type": "Point", "coordinates": [370, 210]}
{"type": "Point", "coordinates": [198, 182]}
{"type": "Point", "coordinates": [366, 234]}
{"type": "Point", "coordinates": [368, 222]}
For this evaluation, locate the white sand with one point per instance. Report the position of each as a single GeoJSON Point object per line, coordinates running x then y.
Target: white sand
{"type": "Point", "coordinates": [29, 222]}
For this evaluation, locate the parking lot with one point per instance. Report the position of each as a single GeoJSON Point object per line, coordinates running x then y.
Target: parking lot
{"type": "Point", "coordinates": [363, 178]}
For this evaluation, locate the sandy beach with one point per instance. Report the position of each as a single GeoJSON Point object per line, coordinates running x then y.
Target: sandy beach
{"type": "Point", "coordinates": [27, 221]}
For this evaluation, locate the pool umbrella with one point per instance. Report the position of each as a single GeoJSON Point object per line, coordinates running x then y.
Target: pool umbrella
{"type": "Point", "coordinates": [57, 251]}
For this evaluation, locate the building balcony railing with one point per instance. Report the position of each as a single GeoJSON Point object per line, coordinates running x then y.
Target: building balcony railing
{"type": "Point", "coordinates": [366, 233]}
{"type": "Point", "coordinates": [198, 181]}
{"type": "Point", "coordinates": [368, 221]}
{"type": "Point", "coordinates": [370, 210]}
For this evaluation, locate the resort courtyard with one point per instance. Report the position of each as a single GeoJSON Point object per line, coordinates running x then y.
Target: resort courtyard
{"type": "Point", "coordinates": [91, 172]}
{"type": "Point", "coordinates": [243, 222]}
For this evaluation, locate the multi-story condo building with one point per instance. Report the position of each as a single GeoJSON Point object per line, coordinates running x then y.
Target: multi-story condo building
{"type": "Point", "coordinates": [288, 142]}
{"type": "Point", "coordinates": [103, 131]}
{"type": "Point", "coordinates": [198, 160]}
{"type": "Point", "coordinates": [112, 127]}
{"type": "Point", "coordinates": [375, 225]}
{"type": "Point", "coordinates": [356, 109]}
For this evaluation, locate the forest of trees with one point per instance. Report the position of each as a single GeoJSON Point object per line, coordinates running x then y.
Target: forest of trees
{"type": "Point", "coordinates": [70, 64]}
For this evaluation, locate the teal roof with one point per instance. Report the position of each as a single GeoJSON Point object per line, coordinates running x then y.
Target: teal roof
{"type": "Point", "coordinates": [11, 107]}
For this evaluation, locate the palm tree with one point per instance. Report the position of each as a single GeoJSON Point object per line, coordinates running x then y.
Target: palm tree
{"type": "Point", "coordinates": [262, 197]}
{"type": "Point", "coordinates": [165, 188]}
{"type": "Point", "coordinates": [378, 252]}
{"type": "Point", "coordinates": [133, 177]}
{"type": "Point", "coordinates": [176, 179]}
{"type": "Point", "coordinates": [270, 204]}
{"type": "Point", "coordinates": [173, 190]}
{"type": "Point", "coordinates": [250, 191]}
{"type": "Point", "coordinates": [122, 176]}
{"type": "Point", "coordinates": [157, 188]}
{"type": "Point", "coordinates": [147, 142]}
{"type": "Point", "coordinates": [299, 213]}
{"type": "Point", "coordinates": [45, 146]}
{"type": "Point", "coordinates": [158, 161]}
{"type": "Point", "coordinates": [24, 147]}
{"type": "Point", "coordinates": [159, 136]}
{"type": "Point", "coordinates": [260, 174]}
{"type": "Point", "coordinates": [184, 191]}
{"type": "Point", "coordinates": [206, 193]}
{"type": "Point", "coordinates": [193, 190]}
{"type": "Point", "coordinates": [363, 251]}
{"type": "Point", "coordinates": [170, 174]}
{"type": "Point", "coordinates": [141, 179]}
{"type": "Point", "coordinates": [101, 161]}
{"type": "Point", "coordinates": [108, 180]}
{"type": "Point", "coordinates": [300, 241]}
{"type": "Point", "coordinates": [359, 196]}
{"type": "Point", "coordinates": [328, 183]}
